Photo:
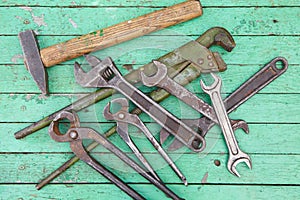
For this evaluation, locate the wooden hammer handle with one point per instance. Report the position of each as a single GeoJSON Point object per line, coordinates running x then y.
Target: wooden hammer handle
{"type": "Point", "coordinates": [120, 32]}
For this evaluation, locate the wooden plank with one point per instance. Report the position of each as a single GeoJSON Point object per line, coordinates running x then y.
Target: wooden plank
{"type": "Point", "coordinates": [263, 138]}
{"type": "Point", "coordinates": [108, 191]}
{"type": "Point", "coordinates": [30, 168]}
{"type": "Point", "coordinates": [249, 49]}
{"type": "Point", "coordinates": [148, 3]}
{"type": "Point", "coordinates": [258, 109]}
{"type": "Point", "coordinates": [15, 79]}
{"type": "Point", "coordinates": [79, 21]}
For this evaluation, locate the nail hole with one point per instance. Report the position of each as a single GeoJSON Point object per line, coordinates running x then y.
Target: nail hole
{"type": "Point", "coordinates": [279, 65]}
{"type": "Point", "coordinates": [217, 163]}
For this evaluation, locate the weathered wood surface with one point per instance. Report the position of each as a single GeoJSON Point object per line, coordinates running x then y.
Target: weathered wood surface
{"type": "Point", "coordinates": [262, 30]}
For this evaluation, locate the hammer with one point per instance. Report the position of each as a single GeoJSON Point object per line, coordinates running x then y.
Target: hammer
{"type": "Point", "coordinates": [35, 59]}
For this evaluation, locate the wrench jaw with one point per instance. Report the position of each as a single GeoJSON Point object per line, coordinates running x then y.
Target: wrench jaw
{"type": "Point", "coordinates": [236, 124]}
{"type": "Point", "coordinates": [215, 86]}
{"type": "Point", "coordinates": [101, 75]}
{"type": "Point", "coordinates": [234, 160]}
{"type": "Point", "coordinates": [157, 77]}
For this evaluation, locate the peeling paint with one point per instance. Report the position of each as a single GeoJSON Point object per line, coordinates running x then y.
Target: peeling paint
{"type": "Point", "coordinates": [73, 23]}
{"type": "Point", "coordinates": [39, 20]}
{"type": "Point", "coordinates": [15, 58]}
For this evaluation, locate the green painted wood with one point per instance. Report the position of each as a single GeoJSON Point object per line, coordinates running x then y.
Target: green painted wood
{"type": "Point", "coordinates": [30, 168]}
{"type": "Point", "coordinates": [148, 3]}
{"type": "Point", "coordinates": [16, 79]}
{"type": "Point", "coordinates": [248, 50]}
{"type": "Point", "coordinates": [192, 192]}
{"type": "Point", "coordinates": [263, 138]}
{"type": "Point", "coordinates": [263, 104]}
{"type": "Point", "coordinates": [74, 21]}
{"type": "Point", "coordinates": [262, 30]}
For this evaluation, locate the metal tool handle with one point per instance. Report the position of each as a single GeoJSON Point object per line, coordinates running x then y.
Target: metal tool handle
{"type": "Point", "coordinates": [256, 83]}
{"type": "Point", "coordinates": [249, 88]}
{"type": "Point", "coordinates": [165, 119]}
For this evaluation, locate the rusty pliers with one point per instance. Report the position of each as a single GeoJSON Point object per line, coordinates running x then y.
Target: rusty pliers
{"type": "Point", "coordinates": [75, 136]}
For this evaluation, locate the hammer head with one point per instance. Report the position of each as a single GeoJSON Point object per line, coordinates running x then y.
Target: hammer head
{"type": "Point", "coordinates": [32, 59]}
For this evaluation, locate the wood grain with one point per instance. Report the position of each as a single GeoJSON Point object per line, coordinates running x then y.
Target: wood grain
{"type": "Point", "coordinates": [121, 32]}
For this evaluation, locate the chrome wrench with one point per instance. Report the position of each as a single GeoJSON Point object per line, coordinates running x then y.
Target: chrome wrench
{"type": "Point", "coordinates": [124, 117]}
{"type": "Point", "coordinates": [275, 68]}
{"type": "Point", "coordinates": [235, 154]}
{"type": "Point", "coordinates": [106, 74]}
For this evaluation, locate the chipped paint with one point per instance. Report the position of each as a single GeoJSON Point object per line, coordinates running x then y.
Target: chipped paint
{"type": "Point", "coordinates": [39, 20]}
{"type": "Point", "coordinates": [73, 23]}
{"type": "Point", "coordinates": [16, 57]}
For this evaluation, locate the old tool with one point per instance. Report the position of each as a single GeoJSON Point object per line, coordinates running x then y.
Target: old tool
{"type": "Point", "coordinates": [123, 118]}
{"type": "Point", "coordinates": [122, 130]}
{"type": "Point", "coordinates": [106, 74]}
{"type": "Point", "coordinates": [213, 36]}
{"type": "Point", "coordinates": [235, 154]}
{"type": "Point", "coordinates": [75, 136]}
{"type": "Point", "coordinates": [253, 85]}
{"type": "Point", "coordinates": [35, 59]}
{"type": "Point", "coordinates": [162, 80]}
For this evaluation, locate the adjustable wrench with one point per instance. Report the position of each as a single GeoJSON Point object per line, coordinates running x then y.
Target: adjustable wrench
{"type": "Point", "coordinates": [249, 88]}
{"type": "Point", "coordinates": [235, 154]}
{"type": "Point", "coordinates": [162, 80]}
{"type": "Point", "coordinates": [105, 74]}
{"type": "Point", "coordinates": [124, 117]}
{"type": "Point", "coordinates": [122, 130]}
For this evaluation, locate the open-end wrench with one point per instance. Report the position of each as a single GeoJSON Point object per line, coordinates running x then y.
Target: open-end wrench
{"type": "Point", "coordinates": [124, 117]}
{"type": "Point", "coordinates": [249, 88]}
{"type": "Point", "coordinates": [235, 154]}
{"type": "Point", "coordinates": [162, 80]}
{"type": "Point", "coordinates": [106, 74]}
{"type": "Point", "coordinates": [75, 136]}
{"type": "Point", "coordinates": [122, 130]}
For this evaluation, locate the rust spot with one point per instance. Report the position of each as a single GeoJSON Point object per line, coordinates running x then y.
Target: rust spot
{"type": "Point", "coordinates": [128, 67]}
{"type": "Point", "coordinates": [217, 163]}
{"type": "Point", "coordinates": [204, 179]}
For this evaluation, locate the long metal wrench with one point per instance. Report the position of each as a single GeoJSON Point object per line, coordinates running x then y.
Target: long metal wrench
{"type": "Point", "coordinates": [76, 134]}
{"type": "Point", "coordinates": [235, 154]}
{"type": "Point", "coordinates": [123, 116]}
{"type": "Point", "coordinates": [162, 80]}
{"type": "Point", "coordinates": [122, 130]}
{"type": "Point", "coordinates": [106, 74]}
{"type": "Point", "coordinates": [214, 36]}
{"type": "Point", "coordinates": [253, 85]}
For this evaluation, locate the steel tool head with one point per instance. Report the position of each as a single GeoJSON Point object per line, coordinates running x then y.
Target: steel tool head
{"type": "Point", "coordinates": [217, 83]}
{"type": "Point", "coordinates": [99, 75]}
{"type": "Point", "coordinates": [235, 160]}
{"type": "Point", "coordinates": [32, 59]}
{"type": "Point", "coordinates": [121, 112]}
{"type": "Point", "coordinates": [160, 74]}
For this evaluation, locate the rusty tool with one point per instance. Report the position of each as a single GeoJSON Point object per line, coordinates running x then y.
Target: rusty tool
{"type": "Point", "coordinates": [162, 80]}
{"type": "Point", "coordinates": [214, 36]}
{"type": "Point", "coordinates": [75, 136]}
{"type": "Point", "coordinates": [122, 130]}
{"type": "Point", "coordinates": [236, 155]}
{"type": "Point", "coordinates": [35, 59]}
{"type": "Point", "coordinates": [123, 118]}
{"type": "Point", "coordinates": [106, 75]}
{"type": "Point", "coordinates": [258, 81]}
